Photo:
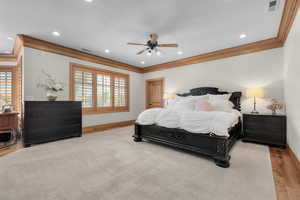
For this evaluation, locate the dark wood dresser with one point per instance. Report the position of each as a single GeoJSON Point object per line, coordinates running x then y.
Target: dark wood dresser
{"type": "Point", "coordinates": [265, 129]}
{"type": "Point", "coordinates": [46, 121]}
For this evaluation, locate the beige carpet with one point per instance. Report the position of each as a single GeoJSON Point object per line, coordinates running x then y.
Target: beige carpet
{"type": "Point", "coordinates": [110, 166]}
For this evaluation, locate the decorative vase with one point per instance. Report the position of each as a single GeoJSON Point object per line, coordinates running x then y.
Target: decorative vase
{"type": "Point", "coordinates": [274, 106]}
{"type": "Point", "coordinates": [51, 95]}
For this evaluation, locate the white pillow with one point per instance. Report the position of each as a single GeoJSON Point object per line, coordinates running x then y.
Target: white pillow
{"type": "Point", "coordinates": [223, 97]}
{"type": "Point", "coordinates": [221, 105]}
{"type": "Point", "coordinates": [202, 97]}
{"type": "Point", "coordinates": [172, 102]}
{"type": "Point", "coordinates": [182, 103]}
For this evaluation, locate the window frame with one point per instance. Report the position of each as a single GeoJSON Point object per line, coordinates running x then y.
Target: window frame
{"type": "Point", "coordinates": [95, 71]}
{"type": "Point", "coordinates": [14, 95]}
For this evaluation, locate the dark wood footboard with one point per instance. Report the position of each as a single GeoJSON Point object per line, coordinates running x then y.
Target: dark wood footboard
{"type": "Point", "coordinates": [213, 146]}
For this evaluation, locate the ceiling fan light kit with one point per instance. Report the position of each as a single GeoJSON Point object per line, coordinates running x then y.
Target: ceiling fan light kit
{"type": "Point", "coordinates": [152, 45]}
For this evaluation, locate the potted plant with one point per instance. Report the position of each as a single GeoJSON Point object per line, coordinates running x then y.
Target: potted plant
{"type": "Point", "coordinates": [51, 86]}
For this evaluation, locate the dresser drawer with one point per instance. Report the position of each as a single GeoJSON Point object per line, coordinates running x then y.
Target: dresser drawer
{"type": "Point", "coordinates": [267, 128]}
{"type": "Point", "coordinates": [265, 137]}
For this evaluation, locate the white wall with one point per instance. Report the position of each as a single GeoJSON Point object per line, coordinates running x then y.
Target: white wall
{"type": "Point", "coordinates": [261, 69]}
{"type": "Point", "coordinates": [292, 86]}
{"type": "Point", "coordinates": [58, 66]}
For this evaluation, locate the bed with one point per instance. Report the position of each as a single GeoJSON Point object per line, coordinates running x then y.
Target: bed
{"type": "Point", "coordinates": [211, 145]}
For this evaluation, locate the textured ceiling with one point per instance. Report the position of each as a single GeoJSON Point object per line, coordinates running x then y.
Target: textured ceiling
{"type": "Point", "coordinates": [198, 26]}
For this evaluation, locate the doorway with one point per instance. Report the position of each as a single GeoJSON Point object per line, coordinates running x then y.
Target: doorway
{"type": "Point", "coordinates": [155, 92]}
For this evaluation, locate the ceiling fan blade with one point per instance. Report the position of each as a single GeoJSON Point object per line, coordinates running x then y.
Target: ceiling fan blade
{"type": "Point", "coordinates": [167, 45]}
{"type": "Point", "coordinates": [140, 52]}
{"type": "Point", "coordinates": [132, 43]}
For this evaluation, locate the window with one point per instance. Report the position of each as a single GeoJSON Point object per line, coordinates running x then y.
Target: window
{"type": "Point", "coordinates": [120, 91]}
{"type": "Point", "coordinates": [84, 88]}
{"type": "Point", "coordinates": [104, 97]}
{"type": "Point", "coordinates": [7, 85]}
{"type": "Point", "coordinates": [100, 91]}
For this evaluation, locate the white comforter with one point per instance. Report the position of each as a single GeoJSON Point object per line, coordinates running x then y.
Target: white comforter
{"type": "Point", "coordinates": [217, 122]}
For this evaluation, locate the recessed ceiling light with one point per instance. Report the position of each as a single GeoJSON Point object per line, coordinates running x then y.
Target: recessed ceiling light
{"type": "Point", "coordinates": [55, 33]}
{"type": "Point", "coordinates": [106, 50]}
{"type": "Point", "coordinates": [179, 52]}
{"type": "Point", "coordinates": [142, 62]}
{"type": "Point", "coordinates": [10, 38]}
{"type": "Point", "coordinates": [90, 1]}
{"type": "Point", "coordinates": [148, 53]}
{"type": "Point", "coordinates": [158, 53]}
{"type": "Point", "coordinates": [243, 36]}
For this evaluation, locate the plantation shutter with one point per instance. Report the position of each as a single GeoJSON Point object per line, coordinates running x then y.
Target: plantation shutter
{"type": "Point", "coordinates": [121, 91]}
{"type": "Point", "coordinates": [104, 90]}
{"type": "Point", "coordinates": [6, 87]}
{"type": "Point", "coordinates": [84, 88]}
{"type": "Point", "coordinates": [101, 91]}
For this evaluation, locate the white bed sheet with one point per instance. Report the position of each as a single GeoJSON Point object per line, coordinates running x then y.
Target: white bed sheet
{"type": "Point", "coordinates": [217, 122]}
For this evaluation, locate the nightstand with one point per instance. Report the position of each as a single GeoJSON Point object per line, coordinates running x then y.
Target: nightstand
{"type": "Point", "coordinates": [265, 129]}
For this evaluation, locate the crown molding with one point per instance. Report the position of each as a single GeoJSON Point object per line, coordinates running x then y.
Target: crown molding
{"type": "Point", "coordinates": [8, 58]}
{"type": "Point", "coordinates": [290, 10]}
{"type": "Point", "coordinates": [16, 52]}
{"type": "Point", "coordinates": [18, 47]}
{"type": "Point", "coordinates": [43, 45]}
{"type": "Point", "coordinates": [225, 53]}
{"type": "Point", "coordinates": [289, 13]}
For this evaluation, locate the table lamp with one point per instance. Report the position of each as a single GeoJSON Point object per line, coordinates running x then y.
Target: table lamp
{"type": "Point", "coordinates": [168, 96]}
{"type": "Point", "coordinates": [255, 92]}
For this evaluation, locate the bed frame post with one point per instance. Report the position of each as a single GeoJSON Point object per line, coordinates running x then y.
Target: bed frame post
{"type": "Point", "coordinates": [137, 133]}
{"type": "Point", "coordinates": [222, 158]}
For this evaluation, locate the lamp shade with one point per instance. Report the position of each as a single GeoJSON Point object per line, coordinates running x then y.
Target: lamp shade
{"type": "Point", "coordinates": [168, 95]}
{"type": "Point", "coordinates": [255, 92]}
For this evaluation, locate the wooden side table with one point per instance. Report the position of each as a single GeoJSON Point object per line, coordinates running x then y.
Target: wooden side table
{"type": "Point", "coordinates": [8, 120]}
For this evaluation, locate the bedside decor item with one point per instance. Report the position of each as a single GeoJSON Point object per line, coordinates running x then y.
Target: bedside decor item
{"type": "Point", "coordinates": [51, 86]}
{"type": "Point", "coordinates": [265, 129]}
{"type": "Point", "coordinates": [254, 92]}
{"type": "Point", "coordinates": [7, 108]}
{"type": "Point", "coordinates": [274, 106]}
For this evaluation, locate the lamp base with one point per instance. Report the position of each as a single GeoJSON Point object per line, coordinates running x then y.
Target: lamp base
{"type": "Point", "coordinates": [254, 112]}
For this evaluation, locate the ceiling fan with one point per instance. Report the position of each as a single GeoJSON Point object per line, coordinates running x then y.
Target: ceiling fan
{"type": "Point", "coordinates": [152, 45]}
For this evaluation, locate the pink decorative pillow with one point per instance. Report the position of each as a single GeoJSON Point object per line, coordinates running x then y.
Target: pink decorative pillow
{"type": "Point", "coordinates": [203, 105]}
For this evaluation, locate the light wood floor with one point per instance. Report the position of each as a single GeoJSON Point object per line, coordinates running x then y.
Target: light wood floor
{"type": "Point", "coordinates": [286, 171]}
{"type": "Point", "coordinates": [286, 174]}
{"type": "Point", "coordinates": [11, 149]}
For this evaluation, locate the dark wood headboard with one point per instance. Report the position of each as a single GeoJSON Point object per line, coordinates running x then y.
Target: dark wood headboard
{"type": "Point", "coordinates": [235, 96]}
